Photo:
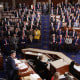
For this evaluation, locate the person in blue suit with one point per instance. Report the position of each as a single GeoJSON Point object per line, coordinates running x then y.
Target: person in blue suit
{"type": "Point", "coordinates": [11, 67]}
{"type": "Point", "coordinates": [73, 34]}
{"type": "Point", "coordinates": [6, 45]}
{"type": "Point", "coordinates": [53, 42]}
{"type": "Point", "coordinates": [59, 32]}
{"type": "Point", "coordinates": [60, 42]}
{"type": "Point", "coordinates": [58, 26]}
{"type": "Point", "coordinates": [76, 43]}
{"type": "Point", "coordinates": [22, 42]}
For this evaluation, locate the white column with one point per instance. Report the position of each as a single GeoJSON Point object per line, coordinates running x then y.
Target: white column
{"type": "Point", "coordinates": [49, 5]}
{"type": "Point", "coordinates": [1, 9]}
{"type": "Point", "coordinates": [78, 2]}
{"type": "Point", "coordinates": [34, 2]}
{"type": "Point", "coordinates": [13, 4]}
{"type": "Point", "coordinates": [66, 1]}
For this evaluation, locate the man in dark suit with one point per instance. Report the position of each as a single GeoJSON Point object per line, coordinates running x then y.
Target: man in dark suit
{"type": "Point", "coordinates": [66, 32]}
{"type": "Point", "coordinates": [6, 45]}
{"type": "Point", "coordinates": [76, 43]}
{"type": "Point", "coordinates": [59, 32]}
{"type": "Point", "coordinates": [2, 23]}
{"type": "Point", "coordinates": [5, 19]}
{"type": "Point", "coordinates": [18, 26]}
{"type": "Point", "coordinates": [5, 28]}
{"type": "Point", "coordinates": [22, 42]}
{"type": "Point", "coordinates": [74, 34]}
{"type": "Point", "coordinates": [17, 14]}
{"type": "Point", "coordinates": [53, 42]}
{"type": "Point", "coordinates": [60, 42]}
{"type": "Point", "coordinates": [58, 26]}
{"type": "Point", "coordinates": [11, 67]}
{"type": "Point", "coordinates": [9, 33]}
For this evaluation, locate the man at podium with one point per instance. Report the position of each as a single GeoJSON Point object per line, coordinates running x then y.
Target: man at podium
{"type": "Point", "coordinates": [11, 67]}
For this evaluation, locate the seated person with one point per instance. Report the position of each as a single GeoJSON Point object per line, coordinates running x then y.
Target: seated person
{"type": "Point", "coordinates": [68, 43]}
{"type": "Point", "coordinates": [76, 24]}
{"type": "Point", "coordinates": [53, 42]}
{"type": "Point", "coordinates": [22, 42]}
{"type": "Point", "coordinates": [73, 34]}
{"type": "Point", "coordinates": [14, 42]}
{"type": "Point", "coordinates": [76, 43]}
{"type": "Point", "coordinates": [6, 45]}
{"type": "Point", "coordinates": [68, 40]}
{"type": "Point", "coordinates": [37, 34]}
{"type": "Point", "coordinates": [66, 32]}
{"type": "Point", "coordinates": [60, 42]}
{"type": "Point", "coordinates": [55, 76]}
{"type": "Point", "coordinates": [59, 32]}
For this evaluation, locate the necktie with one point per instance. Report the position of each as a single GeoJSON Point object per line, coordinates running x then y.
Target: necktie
{"type": "Point", "coordinates": [73, 34]}
{"type": "Point", "coordinates": [66, 33]}
{"type": "Point", "coordinates": [60, 40]}
{"type": "Point", "coordinates": [53, 40]}
{"type": "Point", "coordinates": [5, 42]}
{"type": "Point", "coordinates": [58, 28]}
{"type": "Point", "coordinates": [6, 28]}
{"type": "Point", "coordinates": [76, 40]}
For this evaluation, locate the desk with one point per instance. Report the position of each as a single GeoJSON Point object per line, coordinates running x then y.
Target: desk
{"type": "Point", "coordinates": [46, 52]}
{"type": "Point", "coordinates": [25, 73]}
{"type": "Point", "coordinates": [60, 58]}
{"type": "Point", "coordinates": [1, 63]}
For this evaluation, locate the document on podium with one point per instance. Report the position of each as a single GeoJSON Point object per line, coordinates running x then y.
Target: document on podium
{"type": "Point", "coordinates": [17, 61]}
{"type": "Point", "coordinates": [34, 76]}
{"type": "Point", "coordinates": [59, 63]}
{"type": "Point", "coordinates": [22, 66]}
{"type": "Point", "coordinates": [61, 76]}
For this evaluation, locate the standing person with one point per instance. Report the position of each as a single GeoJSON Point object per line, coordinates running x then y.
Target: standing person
{"type": "Point", "coordinates": [22, 42]}
{"type": "Point", "coordinates": [14, 41]}
{"type": "Point", "coordinates": [11, 67]}
{"type": "Point", "coordinates": [37, 34]}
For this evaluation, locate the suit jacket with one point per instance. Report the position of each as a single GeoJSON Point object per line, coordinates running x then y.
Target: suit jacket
{"type": "Point", "coordinates": [62, 42]}
{"type": "Point", "coordinates": [57, 27]}
{"type": "Point", "coordinates": [5, 19]}
{"type": "Point", "coordinates": [76, 41]}
{"type": "Point", "coordinates": [11, 68]}
{"type": "Point", "coordinates": [17, 33]}
{"type": "Point", "coordinates": [4, 28]}
{"type": "Point", "coordinates": [53, 40]}
{"type": "Point", "coordinates": [9, 33]}
{"type": "Point", "coordinates": [59, 32]}
{"type": "Point", "coordinates": [2, 23]}
{"type": "Point", "coordinates": [22, 40]}
{"type": "Point", "coordinates": [75, 34]}
{"type": "Point", "coordinates": [9, 23]}
{"type": "Point", "coordinates": [17, 15]}
{"type": "Point", "coordinates": [14, 40]}
{"type": "Point", "coordinates": [5, 43]}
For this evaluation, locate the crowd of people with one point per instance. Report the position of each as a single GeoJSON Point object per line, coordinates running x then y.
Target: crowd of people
{"type": "Point", "coordinates": [65, 39]}
{"type": "Point", "coordinates": [28, 26]}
